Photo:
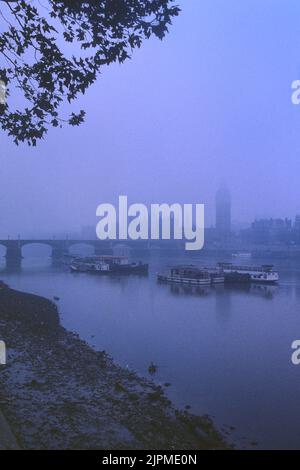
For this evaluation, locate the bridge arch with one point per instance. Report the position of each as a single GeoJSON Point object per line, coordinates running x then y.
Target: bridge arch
{"type": "Point", "coordinates": [36, 249]}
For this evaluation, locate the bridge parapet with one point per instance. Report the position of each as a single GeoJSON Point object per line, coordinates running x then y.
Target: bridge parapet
{"type": "Point", "coordinates": [61, 247]}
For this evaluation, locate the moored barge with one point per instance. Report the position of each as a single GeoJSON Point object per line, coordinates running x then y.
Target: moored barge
{"type": "Point", "coordinates": [192, 276]}
{"type": "Point", "coordinates": [260, 274]}
{"type": "Point", "coordinates": [108, 264]}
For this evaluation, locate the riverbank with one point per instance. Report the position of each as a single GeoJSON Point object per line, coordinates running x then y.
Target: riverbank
{"type": "Point", "coordinates": [56, 392]}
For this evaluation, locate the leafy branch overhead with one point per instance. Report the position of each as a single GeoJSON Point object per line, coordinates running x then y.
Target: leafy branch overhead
{"type": "Point", "coordinates": [36, 63]}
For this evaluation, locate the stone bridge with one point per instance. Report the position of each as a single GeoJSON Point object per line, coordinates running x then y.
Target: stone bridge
{"type": "Point", "coordinates": [60, 247]}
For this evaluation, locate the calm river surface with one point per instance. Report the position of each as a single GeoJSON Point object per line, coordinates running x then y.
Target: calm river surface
{"type": "Point", "coordinates": [225, 351]}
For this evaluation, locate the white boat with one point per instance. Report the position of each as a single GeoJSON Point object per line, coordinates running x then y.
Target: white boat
{"type": "Point", "coordinates": [99, 267]}
{"type": "Point", "coordinates": [108, 264]}
{"type": "Point", "coordinates": [242, 255]}
{"type": "Point", "coordinates": [261, 274]}
{"type": "Point", "coordinates": [122, 265]}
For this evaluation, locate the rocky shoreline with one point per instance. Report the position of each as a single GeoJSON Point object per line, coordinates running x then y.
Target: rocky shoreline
{"type": "Point", "coordinates": [56, 392]}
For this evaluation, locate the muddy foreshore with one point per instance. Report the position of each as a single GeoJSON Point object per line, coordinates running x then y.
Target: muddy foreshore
{"type": "Point", "coordinates": [56, 392]}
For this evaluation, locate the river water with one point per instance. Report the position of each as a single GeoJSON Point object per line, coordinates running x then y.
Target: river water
{"type": "Point", "coordinates": [225, 351]}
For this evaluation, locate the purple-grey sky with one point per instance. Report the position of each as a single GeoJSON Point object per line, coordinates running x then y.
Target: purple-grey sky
{"type": "Point", "coordinates": [211, 103]}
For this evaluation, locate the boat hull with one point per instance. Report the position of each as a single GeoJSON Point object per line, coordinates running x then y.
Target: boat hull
{"type": "Point", "coordinates": [75, 269]}
{"type": "Point", "coordinates": [218, 280]}
{"type": "Point", "coordinates": [109, 268]}
{"type": "Point", "coordinates": [184, 281]}
{"type": "Point", "coordinates": [140, 269]}
{"type": "Point", "coordinates": [247, 278]}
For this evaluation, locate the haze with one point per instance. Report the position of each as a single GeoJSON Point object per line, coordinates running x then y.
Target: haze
{"type": "Point", "coordinates": [209, 104]}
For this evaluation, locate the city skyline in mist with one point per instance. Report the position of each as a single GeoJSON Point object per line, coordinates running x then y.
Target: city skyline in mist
{"type": "Point", "coordinates": [209, 104]}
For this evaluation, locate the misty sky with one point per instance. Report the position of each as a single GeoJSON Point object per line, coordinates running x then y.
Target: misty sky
{"type": "Point", "coordinates": [210, 104]}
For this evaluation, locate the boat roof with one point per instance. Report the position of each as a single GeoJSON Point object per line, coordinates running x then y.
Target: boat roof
{"type": "Point", "coordinates": [191, 267]}
{"type": "Point", "coordinates": [246, 267]}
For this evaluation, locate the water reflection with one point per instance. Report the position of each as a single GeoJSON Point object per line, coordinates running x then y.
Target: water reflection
{"type": "Point", "coordinates": [224, 349]}
{"type": "Point", "coordinates": [177, 289]}
{"type": "Point", "coordinates": [265, 291]}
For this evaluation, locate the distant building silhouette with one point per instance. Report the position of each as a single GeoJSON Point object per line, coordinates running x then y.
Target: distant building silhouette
{"type": "Point", "coordinates": [269, 232]}
{"type": "Point", "coordinates": [297, 223]}
{"type": "Point", "coordinates": [296, 230]}
{"type": "Point", "coordinates": [223, 215]}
